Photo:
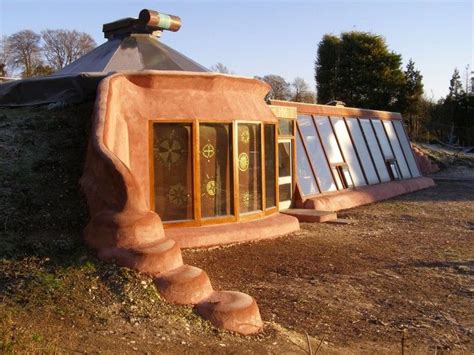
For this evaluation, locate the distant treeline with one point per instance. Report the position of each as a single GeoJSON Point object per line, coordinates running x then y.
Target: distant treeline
{"type": "Point", "coordinates": [27, 53]}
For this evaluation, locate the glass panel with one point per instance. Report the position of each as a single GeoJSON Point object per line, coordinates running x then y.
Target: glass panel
{"type": "Point", "coordinates": [347, 177]}
{"type": "Point", "coordinates": [305, 175]}
{"type": "Point", "coordinates": [285, 127]}
{"type": "Point", "coordinates": [173, 171]}
{"type": "Point", "coordinates": [406, 148]}
{"type": "Point", "coordinates": [285, 192]}
{"type": "Point", "coordinates": [374, 149]}
{"type": "Point", "coordinates": [383, 140]}
{"type": "Point", "coordinates": [335, 173]}
{"type": "Point", "coordinates": [250, 169]}
{"type": "Point", "coordinates": [284, 159]}
{"type": "Point", "coordinates": [316, 154]}
{"type": "Point", "coordinates": [362, 150]}
{"type": "Point", "coordinates": [216, 174]}
{"type": "Point", "coordinates": [394, 170]}
{"type": "Point", "coordinates": [392, 136]}
{"type": "Point", "coordinates": [329, 140]}
{"type": "Point", "coordinates": [270, 166]}
{"type": "Point", "coordinates": [348, 150]}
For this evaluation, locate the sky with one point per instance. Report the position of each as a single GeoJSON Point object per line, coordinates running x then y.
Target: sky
{"type": "Point", "coordinates": [276, 37]}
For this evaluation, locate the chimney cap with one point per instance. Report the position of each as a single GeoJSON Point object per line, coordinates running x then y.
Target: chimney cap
{"type": "Point", "coordinates": [148, 22]}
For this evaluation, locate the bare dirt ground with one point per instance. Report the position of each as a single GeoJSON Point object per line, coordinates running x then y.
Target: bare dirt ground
{"type": "Point", "coordinates": [402, 270]}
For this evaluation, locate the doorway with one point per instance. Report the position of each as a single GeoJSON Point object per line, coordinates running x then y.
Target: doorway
{"type": "Point", "coordinates": [285, 172]}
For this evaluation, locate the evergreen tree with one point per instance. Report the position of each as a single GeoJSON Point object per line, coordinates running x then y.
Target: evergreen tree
{"type": "Point", "coordinates": [411, 97]}
{"type": "Point", "coordinates": [358, 68]}
{"type": "Point", "coordinates": [455, 85]}
{"type": "Point", "coordinates": [325, 68]}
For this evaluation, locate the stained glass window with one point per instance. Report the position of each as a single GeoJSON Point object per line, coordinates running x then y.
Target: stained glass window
{"type": "Point", "coordinates": [250, 167]}
{"type": "Point", "coordinates": [270, 166]}
{"type": "Point", "coordinates": [215, 155]}
{"type": "Point", "coordinates": [173, 171]}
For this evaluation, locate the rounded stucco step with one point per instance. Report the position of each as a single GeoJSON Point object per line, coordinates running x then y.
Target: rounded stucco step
{"type": "Point", "coordinates": [154, 258]}
{"type": "Point", "coordinates": [184, 285]}
{"type": "Point", "coordinates": [231, 310]}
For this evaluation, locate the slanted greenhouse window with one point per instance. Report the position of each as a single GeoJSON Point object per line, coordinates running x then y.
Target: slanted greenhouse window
{"type": "Point", "coordinates": [314, 153]}
{"type": "Point", "coordinates": [393, 169]}
{"type": "Point", "coordinates": [344, 176]}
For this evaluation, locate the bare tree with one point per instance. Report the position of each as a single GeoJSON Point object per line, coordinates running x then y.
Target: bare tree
{"type": "Point", "coordinates": [280, 87]}
{"type": "Point", "coordinates": [221, 68]}
{"type": "Point", "coordinates": [301, 91]}
{"type": "Point", "coordinates": [25, 51]}
{"type": "Point", "coordinates": [62, 47]}
{"type": "Point", "coordinates": [5, 58]}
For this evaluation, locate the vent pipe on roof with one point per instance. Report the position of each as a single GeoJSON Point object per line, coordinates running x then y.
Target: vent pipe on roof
{"type": "Point", "coordinates": [148, 22]}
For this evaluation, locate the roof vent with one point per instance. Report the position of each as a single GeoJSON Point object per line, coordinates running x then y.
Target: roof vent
{"type": "Point", "coordinates": [336, 103]}
{"type": "Point", "coordinates": [148, 22]}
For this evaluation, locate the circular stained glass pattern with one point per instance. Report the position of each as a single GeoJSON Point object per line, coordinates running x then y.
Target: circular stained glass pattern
{"type": "Point", "coordinates": [244, 135]}
{"type": "Point", "coordinates": [246, 199]}
{"type": "Point", "coordinates": [208, 151]}
{"type": "Point", "coordinates": [177, 195]}
{"type": "Point", "coordinates": [170, 151]}
{"type": "Point", "coordinates": [243, 161]}
{"type": "Point", "coordinates": [211, 188]}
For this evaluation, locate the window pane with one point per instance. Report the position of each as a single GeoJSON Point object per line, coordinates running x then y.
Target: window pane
{"type": "Point", "coordinates": [316, 154]}
{"type": "Point", "coordinates": [173, 171]}
{"type": "Point", "coordinates": [392, 136]}
{"type": "Point", "coordinates": [348, 150]}
{"type": "Point", "coordinates": [375, 150]}
{"type": "Point", "coordinates": [305, 175]}
{"type": "Point", "coordinates": [284, 159]}
{"type": "Point", "coordinates": [216, 173]}
{"type": "Point", "coordinates": [250, 169]}
{"type": "Point", "coordinates": [270, 171]}
{"type": "Point", "coordinates": [329, 140]}
{"type": "Point", "coordinates": [406, 148]}
{"type": "Point", "coordinates": [285, 192]}
{"type": "Point", "coordinates": [382, 137]}
{"type": "Point", "coordinates": [363, 150]}
{"type": "Point", "coordinates": [285, 127]}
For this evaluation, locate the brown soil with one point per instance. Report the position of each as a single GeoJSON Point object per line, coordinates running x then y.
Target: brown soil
{"type": "Point", "coordinates": [403, 268]}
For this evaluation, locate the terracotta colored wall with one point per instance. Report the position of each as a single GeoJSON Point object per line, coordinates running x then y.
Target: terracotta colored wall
{"type": "Point", "coordinates": [116, 176]}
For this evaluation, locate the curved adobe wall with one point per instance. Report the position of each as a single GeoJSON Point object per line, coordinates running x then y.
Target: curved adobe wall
{"type": "Point", "coordinates": [116, 179]}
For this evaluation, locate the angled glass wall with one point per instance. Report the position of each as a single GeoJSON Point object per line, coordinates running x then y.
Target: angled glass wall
{"type": "Point", "coordinates": [375, 150]}
{"type": "Point", "coordinates": [317, 155]}
{"type": "Point", "coordinates": [405, 144]}
{"type": "Point", "coordinates": [348, 150]}
{"type": "Point", "coordinates": [363, 151]}
{"type": "Point", "coordinates": [397, 150]}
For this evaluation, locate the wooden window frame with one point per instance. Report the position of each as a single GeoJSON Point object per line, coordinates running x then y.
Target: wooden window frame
{"type": "Point", "coordinates": [198, 220]}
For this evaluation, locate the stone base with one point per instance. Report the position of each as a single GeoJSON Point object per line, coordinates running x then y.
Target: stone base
{"type": "Point", "coordinates": [365, 195]}
{"type": "Point", "coordinates": [218, 234]}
